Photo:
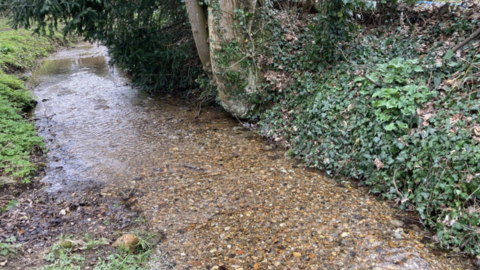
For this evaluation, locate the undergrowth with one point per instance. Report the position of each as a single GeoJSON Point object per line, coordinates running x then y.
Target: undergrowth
{"type": "Point", "coordinates": [19, 52]}
{"type": "Point", "coordinates": [77, 254]}
{"type": "Point", "coordinates": [399, 111]}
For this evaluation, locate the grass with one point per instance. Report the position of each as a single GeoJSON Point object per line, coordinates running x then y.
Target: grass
{"type": "Point", "coordinates": [77, 254]}
{"type": "Point", "coordinates": [19, 53]}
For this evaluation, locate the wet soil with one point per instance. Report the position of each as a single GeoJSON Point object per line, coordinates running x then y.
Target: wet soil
{"type": "Point", "coordinates": [223, 198]}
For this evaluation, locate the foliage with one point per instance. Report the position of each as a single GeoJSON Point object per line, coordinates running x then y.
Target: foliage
{"type": "Point", "coordinates": [9, 247]}
{"type": "Point", "coordinates": [18, 137]}
{"type": "Point", "coordinates": [396, 116]}
{"type": "Point", "coordinates": [19, 52]}
{"type": "Point", "coordinates": [397, 104]}
{"type": "Point", "coordinates": [11, 204]}
{"type": "Point", "coordinates": [65, 258]}
{"type": "Point", "coordinates": [154, 45]}
{"type": "Point", "coordinates": [151, 39]}
{"type": "Point", "coordinates": [335, 24]}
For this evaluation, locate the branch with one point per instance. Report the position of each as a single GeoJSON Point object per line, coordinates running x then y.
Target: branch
{"type": "Point", "coordinates": [372, 81]}
{"type": "Point", "coordinates": [475, 34]}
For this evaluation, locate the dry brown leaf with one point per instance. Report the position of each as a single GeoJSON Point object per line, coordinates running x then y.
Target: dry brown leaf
{"type": "Point", "coordinates": [378, 163]}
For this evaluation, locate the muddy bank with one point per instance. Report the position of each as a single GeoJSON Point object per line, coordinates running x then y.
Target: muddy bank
{"type": "Point", "coordinates": [223, 198]}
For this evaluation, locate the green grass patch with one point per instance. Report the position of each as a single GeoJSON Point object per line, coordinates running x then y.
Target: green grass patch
{"type": "Point", "coordinates": [77, 254]}
{"type": "Point", "coordinates": [19, 52]}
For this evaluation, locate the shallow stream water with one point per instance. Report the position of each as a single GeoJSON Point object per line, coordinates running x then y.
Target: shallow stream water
{"type": "Point", "coordinates": [223, 198]}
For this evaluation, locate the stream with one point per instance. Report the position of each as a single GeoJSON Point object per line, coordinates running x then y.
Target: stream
{"type": "Point", "coordinates": [223, 197]}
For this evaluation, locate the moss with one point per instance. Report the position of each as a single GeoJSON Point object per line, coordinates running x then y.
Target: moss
{"type": "Point", "coordinates": [19, 52]}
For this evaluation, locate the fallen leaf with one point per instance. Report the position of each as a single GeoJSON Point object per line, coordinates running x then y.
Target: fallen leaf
{"type": "Point", "coordinates": [378, 163]}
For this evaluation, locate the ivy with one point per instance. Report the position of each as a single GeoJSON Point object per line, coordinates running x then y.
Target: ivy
{"type": "Point", "coordinates": [393, 118]}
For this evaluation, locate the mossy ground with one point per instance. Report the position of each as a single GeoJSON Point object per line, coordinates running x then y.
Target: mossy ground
{"type": "Point", "coordinates": [19, 52]}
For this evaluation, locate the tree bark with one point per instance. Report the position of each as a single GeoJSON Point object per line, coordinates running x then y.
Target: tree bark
{"type": "Point", "coordinates": [233, 93]}
{"type": "Point", "coordinates": [197, 21]}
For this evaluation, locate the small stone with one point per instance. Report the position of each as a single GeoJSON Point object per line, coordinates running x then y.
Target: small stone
{"type": "Point", "coordinates": [63, 212]}
{"type": "Point", "coordinates": [267, 147]}
{"type": "Point", "coordinates": [297, 254]}
{"type": "Point", "coordinates": [396, 222]}
{"type": "Point", "coordinates": [398, 233]}
{"type": "Point", "coordinates": [127, 241]}
{"type": "Point", "coordinates": [288, 155]}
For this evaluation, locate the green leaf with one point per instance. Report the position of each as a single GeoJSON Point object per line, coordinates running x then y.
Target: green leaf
{"type": "Point", "coordinates": [453, 64]}
{"type": "Point", "coordinates": [390, 127]}
{"type": "Point", "coordinates": [448, 55]}
{"type": "Point", "coordinates": [418, 69]}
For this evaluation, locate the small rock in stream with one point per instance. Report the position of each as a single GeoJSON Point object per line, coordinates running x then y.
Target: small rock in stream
{"type": "Point", "coordinates": [398, 234]}
{"type": "Point", "coordinates": [396, 222]}
{"type": "Point", "coordinates": [267, 148]}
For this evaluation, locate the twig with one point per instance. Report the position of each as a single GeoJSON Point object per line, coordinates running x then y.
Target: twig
{"type": "Point", "coordinates": [429, 79]}
{"type": "Point", "coordinates": [372, 81]}
{"type": "Point", "coordinates": [472, 36]}
{"type": "Point", "coordinates": [395, 184]}
{"type": "Point", "coordinates": [199, 110]}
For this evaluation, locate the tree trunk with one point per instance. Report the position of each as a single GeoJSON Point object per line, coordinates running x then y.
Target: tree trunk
{"type": "Point", "coordinates": [197, 21]}
{"type": "Point", "coordinates": [233, 70]}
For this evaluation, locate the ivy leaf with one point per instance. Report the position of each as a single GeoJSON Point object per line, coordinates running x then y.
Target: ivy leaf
{"type": "Point", "coordinates": [390, 127]}
{"type": "Point", "coordinates": [453, 64]}
{"type": "Point", "coordinates": [418, 69]}
{"type": "Point", "coordinates": [402, 125]}
{"type": "Point", "coordinates": [448, 55]}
